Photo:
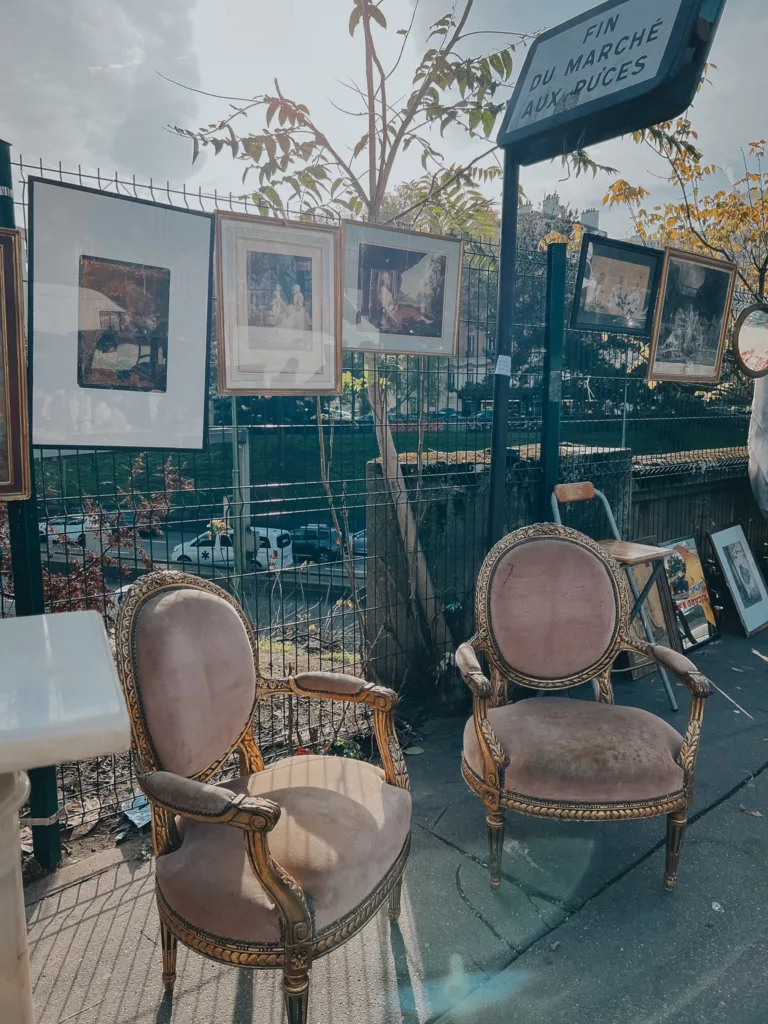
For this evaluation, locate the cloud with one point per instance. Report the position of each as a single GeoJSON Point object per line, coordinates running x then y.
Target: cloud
{"type": "Point", "coordinates": [79, 83]}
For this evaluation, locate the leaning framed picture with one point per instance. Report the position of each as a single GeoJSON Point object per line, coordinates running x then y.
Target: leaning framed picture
{"type": "Point", "coordinates": [690, 596]}
{"type": "Point", "coordinates": [14, 435]}
{"type": "Point", "coordinates": [691, 318]}
{"type": "Point", "coordinates": [120, 316]}
{"type": "Point", "coordinates": [278, 293]}
{"type": "Point", "coordinates": [617, 286]}
{"type": "Point", "coordinates": [401, 291]}
{"type": "Point", "coordinates": [743, 576]}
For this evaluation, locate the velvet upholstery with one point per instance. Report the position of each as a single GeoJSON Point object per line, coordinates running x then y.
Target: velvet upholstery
{"type": "Point", "coordinates": [196, 677]}
{"type": "Point", "coordinates": [340, 830]}
{"type": "Point", "coordinates": [553, 608]}
{"type": "Point", "coordinates": [330, 682]}
{"type": "Point", "coordinates": [577, 751]}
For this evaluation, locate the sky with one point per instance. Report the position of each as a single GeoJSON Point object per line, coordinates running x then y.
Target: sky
{"type": "Point", "coordinates": [81, 83]}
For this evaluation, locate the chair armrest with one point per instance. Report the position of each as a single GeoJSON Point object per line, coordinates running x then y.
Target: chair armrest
{"type": "Point", "coordinates": [335, 686]}
{"type": "Point", "coordinates": [682, 669]}
{"type": "Point", "coordinates": [213, 804]}
{"type": "Point", "coordinates": [470, 671]}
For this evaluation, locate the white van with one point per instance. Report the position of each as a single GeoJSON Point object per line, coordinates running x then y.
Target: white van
{"type": "Point", "coordinates": [267, 548]}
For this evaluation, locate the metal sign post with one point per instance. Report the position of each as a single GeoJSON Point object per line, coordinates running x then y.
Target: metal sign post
{"type": "Point", "coordinates": [618, 68]}
{"type": "Point", "coordinates": [28, 593]}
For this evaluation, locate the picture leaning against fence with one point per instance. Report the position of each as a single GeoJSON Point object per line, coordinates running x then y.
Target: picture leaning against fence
{"type": "Point", "coordinates": [401, 290]}
{"type": "Point", "coordinates": [120, 293]}
{"type": "Point", "coordinates": [744, 579]}
{"type": "Point", "coordinates": [14, 437]}
{"type": "Point", "coordinates": [278, 323]}
{"type": "Point", "coordinates": [691, 318]}
{"type": "Point", "coordinates": [685, 573]}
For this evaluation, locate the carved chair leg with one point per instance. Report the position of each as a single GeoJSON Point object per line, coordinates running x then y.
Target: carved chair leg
{"type": "Point", "coordinates": [170, 944]}
{"type": "Point", "coordinates": [676, 823]}
{"type": "Point", "coordinates": [394, 902]}
{"type": "Point", "coordinates": [495, 821]}
{"type": "Point", "coordinates": [296, 993]}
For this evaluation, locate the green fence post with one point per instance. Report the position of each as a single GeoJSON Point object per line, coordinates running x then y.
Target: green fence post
{"type": "Point", "coordinates": [28, 590]}
{"type": "Point", "coordinates": [553, 375]}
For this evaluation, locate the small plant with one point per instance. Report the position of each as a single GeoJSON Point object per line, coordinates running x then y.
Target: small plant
{"type": "Point", "coordinates": [345, 748]}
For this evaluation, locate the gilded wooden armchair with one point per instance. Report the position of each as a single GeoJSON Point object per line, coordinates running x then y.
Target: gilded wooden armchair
{"type": "Point", "coordinates": [553, 612]}
{"type": "Point", "coordinates": [286, 862]}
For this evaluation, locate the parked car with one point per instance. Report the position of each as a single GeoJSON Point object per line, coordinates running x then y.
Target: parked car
{"type": "Point", "coordinates": [267, 548]}
{"type": "Point", "coordinates": [316, 542]}
{"type": "Point", "coordinates": [72, 527]}
{"type": "Point", "coordinates": [443, 414]}
{"type": "Point", "coordinates": [360, 542]}
{"type": "Point", "coordinates": [365, 419]}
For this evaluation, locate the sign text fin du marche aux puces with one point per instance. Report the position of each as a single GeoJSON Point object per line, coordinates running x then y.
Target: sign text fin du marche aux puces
{"type": "Point", "coordinates": [620, 67]}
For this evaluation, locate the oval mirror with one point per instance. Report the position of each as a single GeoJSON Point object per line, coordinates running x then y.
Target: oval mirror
{"type": "Point", "coordinates": [750, 341]}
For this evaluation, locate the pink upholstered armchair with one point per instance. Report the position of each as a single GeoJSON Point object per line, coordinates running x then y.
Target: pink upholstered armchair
{"type": "Point", "coordinates": [553, 612]}
{"type": "Point", "coordinates": [287, 861]}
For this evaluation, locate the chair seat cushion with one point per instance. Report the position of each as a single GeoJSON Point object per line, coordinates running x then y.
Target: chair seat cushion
{"type": "Point", "coordinates": [340, 831]}
{"type": "Point", "coordinates": [576, 751]}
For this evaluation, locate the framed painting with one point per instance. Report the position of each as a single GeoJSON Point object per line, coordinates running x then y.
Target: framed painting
{"type": "Point", "coordinates": [401, 291]}
{"type": "Point", "coordinates": [120, 317]}
{"type": "Point", "coordinates": [617, 286]}
{"type": "Point", "coordinates": [690, 596]}
{"type": "Point", "coordinates": [743, 576]}
{"type": "Point", "coordinates": [14, 433]}
{"type": "Point", "coordinates": [750, 341]}
{"type": "Point", "coordinates": [691, 318]}
{"type": "Point", "coordinates": [278, 317]}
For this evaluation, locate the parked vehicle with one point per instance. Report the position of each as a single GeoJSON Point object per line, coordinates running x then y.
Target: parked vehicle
{"type": "Point", "coordinates": [443, 414]}
{"type": "Point", "coordinates": [71, 527]}
{"type": "Point", "coordinates": [360, 542]}
{"type": "Point", "coordinates": [316, 542]}
{"type": "Point", "coordinates": [265, 549]}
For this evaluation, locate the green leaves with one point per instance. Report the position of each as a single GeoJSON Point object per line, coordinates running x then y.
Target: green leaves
{"type": "Point", "coordinates": [489, 120]}
{"type": "Point", "coordinates": [377, 15]}
{"type": "Point", "coordinates": [354, 19]}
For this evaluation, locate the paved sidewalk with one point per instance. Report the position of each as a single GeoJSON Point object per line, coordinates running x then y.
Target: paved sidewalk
{"type": "Point", "coordinates": [580, 932]}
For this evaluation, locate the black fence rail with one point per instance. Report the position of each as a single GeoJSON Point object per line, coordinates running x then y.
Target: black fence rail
{"type": "Point", "coordinates": [291, 507]}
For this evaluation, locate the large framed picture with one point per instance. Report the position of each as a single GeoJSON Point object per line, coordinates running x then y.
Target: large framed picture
{"type": "Point", "coordinates": [14, 434]}
{"type": "Point", "coordinates": [278, 295]}
{"type": "Point", "coordinates": [691, 318]}
{"type": "Point", "coordinates": [616, 287]}
{"type": "Point", "coordinates": [401, 291]}
{"type": "Point", "coordinates": [120, 317]}
{"type": "Point", "coordinates": [685, 574]}
{"type": "Point", "coordinates": [744, 579]}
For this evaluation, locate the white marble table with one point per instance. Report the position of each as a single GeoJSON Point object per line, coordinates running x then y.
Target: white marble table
{"type": "Point", "coordinates": [60, 700]}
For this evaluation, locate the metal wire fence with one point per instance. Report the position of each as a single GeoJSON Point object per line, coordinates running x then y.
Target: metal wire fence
{"type": "Point", "coordinates": [291, 507]}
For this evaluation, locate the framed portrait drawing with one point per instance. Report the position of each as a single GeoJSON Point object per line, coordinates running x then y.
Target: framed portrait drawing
{"type": "Point", "coordinates": [690, 596]}
{"type": "Point", "coordinates": [120, 317]}
{"type": "Point", "coordinates": [691, 318]}
{"type": "Point", "coordinates": [401, 291]}
{"type": "Point", "coordinates": [278, 292]}
{"type": "Point", "coordinates": [743, 576]}
{"type": "Point", "coordinates": [617, 286]}
{"type": "Point", "coordinates": [14, 434]}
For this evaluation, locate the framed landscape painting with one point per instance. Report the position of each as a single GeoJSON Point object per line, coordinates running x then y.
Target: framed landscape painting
{"type": "Point", "coordinates": [617, 286]}
{"type": "Point", "coordinates": [744, 579]}
{"type": "Point", "coordinates": [120, 319]}
{"type": "Point", "coordinates": [685, 574]}
{"type": "Point", "coordinates": [691, 318]}
{"type": "Point", "coordinates": [278, 292]}
{"type": "Point", "coordinates": [401, 291]}
{"type": "Point", "coordinates": [14, 435]}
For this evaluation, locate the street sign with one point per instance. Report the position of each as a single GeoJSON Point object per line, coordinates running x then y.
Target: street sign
{"type": "Point", "coordinates": [620, 67]}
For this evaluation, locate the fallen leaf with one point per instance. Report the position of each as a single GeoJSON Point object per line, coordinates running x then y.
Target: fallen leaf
{"type": "Point", "coordinates": [718, 908]}
{"type": "Point", "coordinates": [413, 750]}
{"type": "Point", "coordinates": [554, 946]}
{"type": "Point", "coordinates": [752, 814]}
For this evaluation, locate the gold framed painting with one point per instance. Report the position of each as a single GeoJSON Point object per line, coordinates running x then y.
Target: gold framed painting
{"type": "Point", "coordinates": [14, 430]}
{"type": "Point", "coordinates": [401, 290]}
{"type": "Point", "coordinates": [278, 316]}
{"type": "Point", "coordinates": [692, 315]}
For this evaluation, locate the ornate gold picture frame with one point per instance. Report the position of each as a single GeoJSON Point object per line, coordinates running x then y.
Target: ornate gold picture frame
{"type": "Point", "coordinates": [15, 482]}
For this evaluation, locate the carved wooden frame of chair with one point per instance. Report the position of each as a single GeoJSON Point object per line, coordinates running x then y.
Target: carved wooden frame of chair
{"type": "Point", "coordinates": [193, 798]}
{"type": "Point", "coordinates": [490, 693]}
